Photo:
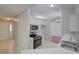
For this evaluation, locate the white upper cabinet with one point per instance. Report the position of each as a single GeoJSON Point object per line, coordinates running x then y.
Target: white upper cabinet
{"type": "Point", "coordinates": [73, 23]}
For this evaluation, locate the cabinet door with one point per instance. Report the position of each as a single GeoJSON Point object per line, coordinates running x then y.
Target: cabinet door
{"type": "Point", "coordinates": [73, 23]}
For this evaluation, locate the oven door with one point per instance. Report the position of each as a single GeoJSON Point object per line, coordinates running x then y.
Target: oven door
{"type": "Point", "coordinates": [37, 43]}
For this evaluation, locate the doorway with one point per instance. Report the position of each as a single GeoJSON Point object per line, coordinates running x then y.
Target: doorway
{"type": "Point", "coordinates": [7, 36]}
{"type": "Point", "coordinates": [44, 33]}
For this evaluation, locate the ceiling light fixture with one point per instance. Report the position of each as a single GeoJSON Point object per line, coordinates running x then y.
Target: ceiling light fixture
{"type": "Point", "coordinates": [51, 5]}
{"type": "Point", "coordinates": [40, 17]}
{"type": "Point", "coordinates": [8, 18]}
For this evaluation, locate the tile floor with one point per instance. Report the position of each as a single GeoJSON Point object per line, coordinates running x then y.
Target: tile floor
{"type": "Point", "coordinates": [47, 44]}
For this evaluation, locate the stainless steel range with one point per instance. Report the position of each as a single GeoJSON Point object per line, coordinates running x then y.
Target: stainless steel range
{"type": "Point", "coordinates": [37, 39]}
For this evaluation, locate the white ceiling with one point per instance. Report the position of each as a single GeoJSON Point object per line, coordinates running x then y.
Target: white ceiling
{"type": "Point", "coordinates": [11, 10]}
{"type": "Point", "coordinates": [43, 9]}
{"type": "Point", "coordinates": [48, 12]}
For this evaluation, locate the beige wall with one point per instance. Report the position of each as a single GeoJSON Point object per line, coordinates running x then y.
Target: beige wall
{"type": "Point", "coordinates": [5, 30]}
